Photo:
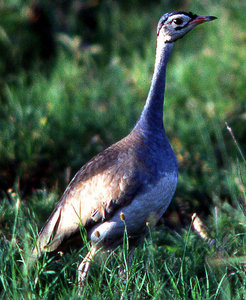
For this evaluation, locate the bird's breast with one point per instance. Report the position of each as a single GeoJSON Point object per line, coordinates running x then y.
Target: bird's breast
{"type": "Point", "coordinates": [154, 199]}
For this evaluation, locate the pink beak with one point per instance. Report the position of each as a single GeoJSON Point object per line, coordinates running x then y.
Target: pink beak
{"type": "Point", "coordinates": [201, 19]}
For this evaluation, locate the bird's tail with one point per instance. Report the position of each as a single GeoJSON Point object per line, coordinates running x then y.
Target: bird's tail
{"type": "Point", "coordinates": [48, 239]}
{"type": "Point", "coordinates": [44, 242]}
{"type": "Point", "coordinates": [62, 223]}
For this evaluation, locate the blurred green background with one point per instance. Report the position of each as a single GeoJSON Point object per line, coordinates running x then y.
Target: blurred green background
{"type": "Point", "coordinates": [74, 76]}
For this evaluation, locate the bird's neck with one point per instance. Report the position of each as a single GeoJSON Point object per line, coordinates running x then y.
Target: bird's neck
{"type": "Point", "coordinates": [151, 119]}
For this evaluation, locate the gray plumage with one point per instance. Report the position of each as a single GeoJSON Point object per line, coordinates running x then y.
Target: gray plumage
{"type": "Point", "coordinates": [134, 179]}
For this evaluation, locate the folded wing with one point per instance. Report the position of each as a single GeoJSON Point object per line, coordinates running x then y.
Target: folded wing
{"type": "Point", "coordinates": [106, 183]}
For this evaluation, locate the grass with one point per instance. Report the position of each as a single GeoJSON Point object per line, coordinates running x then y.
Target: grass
{"type": "Point", "coordinates": [56, 115]}
{"type": "Point", "coordinates": [171, 265]}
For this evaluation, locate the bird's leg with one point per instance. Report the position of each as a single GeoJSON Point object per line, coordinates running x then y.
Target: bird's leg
{"type": "Point", "coordinates": [124, 270]}
{"type": "Point", "coordinates": [85, 265]}
{"type": "Point", "coordinates": [130, 257]}
{"type": "Point", "coordinates": [124, 273]}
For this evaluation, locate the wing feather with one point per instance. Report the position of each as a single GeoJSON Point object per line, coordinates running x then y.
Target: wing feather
{"type": "Point", "coordinates": [107, 182]}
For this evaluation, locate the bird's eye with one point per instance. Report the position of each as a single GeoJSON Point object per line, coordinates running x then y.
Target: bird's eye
{"type": "Point", "coordinates": [178, 21]}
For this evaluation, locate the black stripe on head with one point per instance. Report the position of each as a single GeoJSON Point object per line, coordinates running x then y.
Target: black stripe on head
{"type": "Point", "coordinates": [191, 15]}
{"type": "Point", "coordinates": [166, 16]}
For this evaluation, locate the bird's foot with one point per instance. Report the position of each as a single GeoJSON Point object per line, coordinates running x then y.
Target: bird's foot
{"type": "Point", "coordinates": [84, 267]}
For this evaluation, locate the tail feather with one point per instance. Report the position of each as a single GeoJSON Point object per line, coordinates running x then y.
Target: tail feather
{"type": "Point", "coordinates": [62, 223]}
{"type": "Point", "coordinates": [47, 239]}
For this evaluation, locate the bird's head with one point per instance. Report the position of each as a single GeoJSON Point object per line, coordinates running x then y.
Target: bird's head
{"type": "Point", "coordinates": [173, 26]}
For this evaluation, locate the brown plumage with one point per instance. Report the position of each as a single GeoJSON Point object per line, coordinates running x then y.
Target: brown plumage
{"type": "Point", "coordinates": [106, 182]}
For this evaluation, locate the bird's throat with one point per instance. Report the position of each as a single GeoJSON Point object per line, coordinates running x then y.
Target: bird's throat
{"type": "Point", "coordinates": [151, 118]}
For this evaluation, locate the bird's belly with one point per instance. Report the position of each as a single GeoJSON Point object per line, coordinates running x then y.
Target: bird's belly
{"type": "Point", "coordinates": [146, 207]}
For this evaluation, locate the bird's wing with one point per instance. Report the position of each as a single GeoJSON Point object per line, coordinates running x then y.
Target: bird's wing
{"type": "Point", "coordinates": [107, 182]}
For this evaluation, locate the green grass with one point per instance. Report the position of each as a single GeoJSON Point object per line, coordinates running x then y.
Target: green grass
{"type": "Point", "coordinates": [166, 265]}
{"type": "Point", "coordinates": [55, 116]}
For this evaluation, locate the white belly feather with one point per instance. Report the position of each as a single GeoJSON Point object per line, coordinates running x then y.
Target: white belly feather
{"type": "Point", "coordinates": [146, 207]}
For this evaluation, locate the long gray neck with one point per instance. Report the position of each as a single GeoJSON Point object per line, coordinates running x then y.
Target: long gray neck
{"type": "Point", "coordinates": [151, 119]}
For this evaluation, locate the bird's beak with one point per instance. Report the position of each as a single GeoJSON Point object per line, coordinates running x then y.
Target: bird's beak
{"type": "Point", "coordinates": [201, 19]}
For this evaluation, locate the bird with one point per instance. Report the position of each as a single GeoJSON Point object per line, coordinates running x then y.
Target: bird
{"type": "Point", "coordinates": [129, 184]}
